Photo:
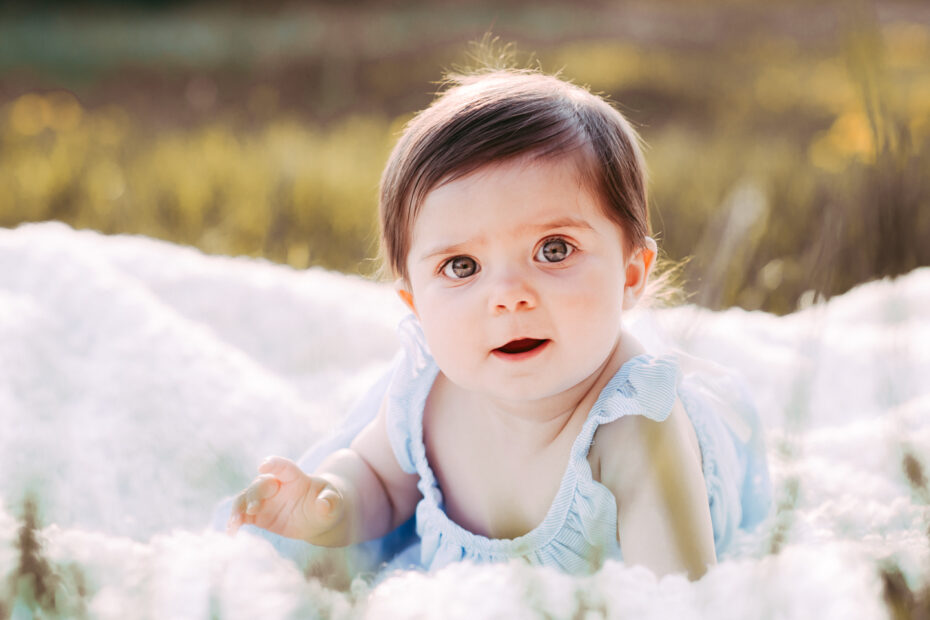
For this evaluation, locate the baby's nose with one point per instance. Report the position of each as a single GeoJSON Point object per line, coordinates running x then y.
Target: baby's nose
{"type": "Point", "coordinates": [511, 293]}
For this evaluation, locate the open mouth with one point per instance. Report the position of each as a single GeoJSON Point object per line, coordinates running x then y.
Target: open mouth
{"type": "Point", "coordinates": [521, 345]}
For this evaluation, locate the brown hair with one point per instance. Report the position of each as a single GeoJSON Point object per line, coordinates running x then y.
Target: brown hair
{"type": "Point", "coordinates": [499, 115]}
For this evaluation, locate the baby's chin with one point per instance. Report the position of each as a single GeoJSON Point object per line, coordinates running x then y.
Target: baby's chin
{"type": "Point", "coordinates": [556, 374]}
{"type": "Point", "coordinates": [529, 389]}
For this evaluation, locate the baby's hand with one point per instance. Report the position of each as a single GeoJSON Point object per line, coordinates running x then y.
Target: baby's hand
{"type": "Point", "coordinates": [286, 501]}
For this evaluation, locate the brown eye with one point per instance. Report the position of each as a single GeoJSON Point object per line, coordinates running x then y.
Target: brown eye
{"type": "Point", "coordinates": [554, 251]}
{"type": "Point", "coordinates": [460, 267]}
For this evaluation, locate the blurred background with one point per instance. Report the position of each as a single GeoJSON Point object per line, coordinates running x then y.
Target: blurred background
{"type": "Point", "coordinates": [788, 140]}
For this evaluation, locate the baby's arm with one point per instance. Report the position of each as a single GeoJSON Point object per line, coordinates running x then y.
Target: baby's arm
{"type": "Point", "coordinates": [654, 471]}
{"type": "Point", "coordinates": [355, 494]}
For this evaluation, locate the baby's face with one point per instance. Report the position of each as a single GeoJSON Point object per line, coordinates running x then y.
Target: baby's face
{"type": "Point", "coordinates": [518, 279]}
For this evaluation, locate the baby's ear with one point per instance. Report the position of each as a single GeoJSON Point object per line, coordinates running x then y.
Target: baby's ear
{"type": "Point", "coordinates": [403, 291]}
{"type": "Point", "coordinates": [637, 272]}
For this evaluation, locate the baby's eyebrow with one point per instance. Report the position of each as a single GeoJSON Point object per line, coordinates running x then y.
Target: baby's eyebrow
{"type": "Point", "coordinates": [563, 222]}
{"type": "Point", "coordinates": [455, 248]}
{"type": "Point", "coordinates": [440, 250]}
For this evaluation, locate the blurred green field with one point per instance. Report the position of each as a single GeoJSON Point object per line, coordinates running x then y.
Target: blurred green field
{"type": "Point", "coordinates": [788, 145]}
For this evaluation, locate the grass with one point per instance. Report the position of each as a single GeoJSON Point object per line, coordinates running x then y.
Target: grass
{"type": "Point", "coordinates": [904, 601]}
{"type": "Point", "coordinates": [38, 587]}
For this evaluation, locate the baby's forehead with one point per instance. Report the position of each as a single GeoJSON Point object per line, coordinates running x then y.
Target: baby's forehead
{"type": "Point", "coordinates": [522, 175]}
{"type": "Point", "coordinates": [515, 197]}
{"type": "Point", "coordinates": [567, 172]}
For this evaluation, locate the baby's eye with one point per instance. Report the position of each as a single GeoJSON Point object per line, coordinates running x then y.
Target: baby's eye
{"type": "Point", "coordinates": [554, 250]}
{"type": "Point", "coordinates": [460, 267]}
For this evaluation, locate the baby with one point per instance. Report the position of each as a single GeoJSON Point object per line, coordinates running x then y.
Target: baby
{"type": "Point", "coordinates": [522, 420]}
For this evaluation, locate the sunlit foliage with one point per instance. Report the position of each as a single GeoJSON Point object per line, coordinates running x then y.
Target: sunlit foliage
{"type": "Point", "coordinates": [779, 167]}
{"type": "Point", "coordinates": [294, 193]}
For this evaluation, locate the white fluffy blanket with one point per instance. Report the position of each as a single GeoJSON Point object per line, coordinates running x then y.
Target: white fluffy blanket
{"type": "Point", "coordinates": [141, 382]}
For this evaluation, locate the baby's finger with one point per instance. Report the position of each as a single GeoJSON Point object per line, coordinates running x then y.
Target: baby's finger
{"type": "Point", "coordinates": [329, 503]}
{"type": "Point", "coordinates": [262, 488]}
{"type": "Point", "coordinates": [233, 524]}
{"type": "Point", "coordinates": [281, 468]}
{"type": "Point", "coordinates": [236, 514]}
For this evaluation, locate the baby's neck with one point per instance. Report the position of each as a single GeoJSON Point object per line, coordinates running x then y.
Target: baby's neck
{"type": "Point", "coordinates": [530, 426]}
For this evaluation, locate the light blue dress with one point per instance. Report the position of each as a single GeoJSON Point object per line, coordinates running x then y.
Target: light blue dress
{"type": "Point", "coordinates": [580, 529]}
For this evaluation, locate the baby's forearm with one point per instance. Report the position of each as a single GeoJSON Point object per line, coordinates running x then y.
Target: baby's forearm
{"type": "Point", "coordinates": [367, 512]}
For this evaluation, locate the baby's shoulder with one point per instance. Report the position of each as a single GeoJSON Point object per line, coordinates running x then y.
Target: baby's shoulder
{"type": "Point", "coordinates": [633, 446]}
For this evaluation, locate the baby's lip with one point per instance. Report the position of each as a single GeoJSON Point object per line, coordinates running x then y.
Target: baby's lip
{"type": "Point", "coordinates": [521, 345]}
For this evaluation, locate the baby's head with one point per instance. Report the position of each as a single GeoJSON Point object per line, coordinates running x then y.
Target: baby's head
{"type": "Point", "coordinates": [513, 215]}
{"type": "Point", "coordinates": [503, 115]}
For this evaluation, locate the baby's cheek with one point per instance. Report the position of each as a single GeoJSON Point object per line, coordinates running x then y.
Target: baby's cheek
{"type": "Point", "coordinates": [459, 369]}
{"type": "Point", "coordinates": [592, 313]}
{"type": "Point", "coordinates": [593, 296]}
{"type": "Point", "coordinates": [447, 339]}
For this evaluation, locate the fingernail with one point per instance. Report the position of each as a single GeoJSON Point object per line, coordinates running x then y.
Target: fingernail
{"type": "Point", "coordinates": [252, 508]}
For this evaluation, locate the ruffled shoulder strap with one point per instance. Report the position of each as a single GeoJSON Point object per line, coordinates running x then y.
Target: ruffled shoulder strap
{"type": "Point", "coordinates": [413, 377]}
{"type": "Point", "coordinates": [644, 385]}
